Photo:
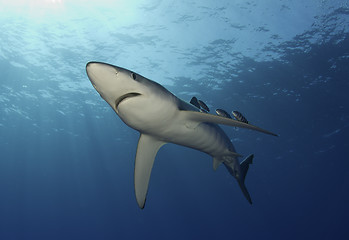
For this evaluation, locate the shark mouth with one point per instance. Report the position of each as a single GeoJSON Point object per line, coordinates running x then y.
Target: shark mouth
{"type": "Point", "coordinates": [123, 97]}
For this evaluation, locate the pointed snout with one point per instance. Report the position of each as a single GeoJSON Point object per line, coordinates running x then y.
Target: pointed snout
{"type": "Point", "coordinates": [91, 69]}
{"type": "Point", "coordinates": [100, 65]}
{"type": "Point", "coordinates": [104, 78]}
{"type": "Point", "coordinates": [94, 69]}
{"type": "Point", "coordinates": [91, 66]}
{"type": "Point", "coordinates": [99, 73]}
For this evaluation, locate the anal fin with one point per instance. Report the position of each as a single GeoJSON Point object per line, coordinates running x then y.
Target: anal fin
{"type": "Point", "coordinates": [216, 163]}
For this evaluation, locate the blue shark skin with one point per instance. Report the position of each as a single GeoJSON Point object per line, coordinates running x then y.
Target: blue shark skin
{"type": "Point", "coordinates": [160, 117]}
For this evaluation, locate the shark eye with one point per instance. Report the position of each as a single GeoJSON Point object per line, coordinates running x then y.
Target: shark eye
{"type": "Point", "coordinates": [134, 76]}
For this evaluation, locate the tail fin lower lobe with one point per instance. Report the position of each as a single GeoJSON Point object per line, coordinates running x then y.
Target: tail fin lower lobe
{"type": "Point", "coordinates": [244, 165]}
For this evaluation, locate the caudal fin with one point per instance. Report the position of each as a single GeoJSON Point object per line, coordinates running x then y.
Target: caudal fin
{"type": "Point", "coordinates": [244, 165]}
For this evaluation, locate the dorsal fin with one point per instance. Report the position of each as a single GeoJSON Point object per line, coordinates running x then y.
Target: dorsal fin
{"type": "Point", "coordinates": [216, 163]}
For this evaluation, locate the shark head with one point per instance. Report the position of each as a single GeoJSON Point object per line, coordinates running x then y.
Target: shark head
{"type": "Point", "coordinates": [133, 97]}
{"type": "Point", "coordinates": [115, 85]}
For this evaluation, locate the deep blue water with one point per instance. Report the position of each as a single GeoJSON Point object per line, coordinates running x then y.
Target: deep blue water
{"type": "Point", "coordinates": [66, 162]}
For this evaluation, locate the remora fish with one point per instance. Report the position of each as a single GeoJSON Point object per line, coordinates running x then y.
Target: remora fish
{"type": "Point", "coordinates": [199, 104]}
{"type": "Point", "coordinates": [239, 117]}
{"type": "Point", "coordinates": [203, 106]}
{"type": "Point", "coordinates": [195, 102]}
{"type": "Point", "coordinates": [222, 113]}
{"type": "Point", "coordinates": [160, 117]}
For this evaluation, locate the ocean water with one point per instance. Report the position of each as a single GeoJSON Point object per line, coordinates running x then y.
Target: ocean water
{"type": "Point", "coordinates": [66, 159]}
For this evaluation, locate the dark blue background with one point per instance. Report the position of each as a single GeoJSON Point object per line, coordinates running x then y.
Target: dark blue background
{"type": "Point", "coordinates": [66, 159]}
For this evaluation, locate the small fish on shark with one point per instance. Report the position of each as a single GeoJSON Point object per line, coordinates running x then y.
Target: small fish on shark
{"type": "Point", "coordinates": [194, 101]}
{"type": "Point", "coordinates": [238, 116]}
{"type": "Point", "coordinates": [199, 104]}
{"type": "Point", "coordinates": [203, 106]}
{"type": "Point", "coordinates": [160, 117]}
{"type": "Point", "coordinates": [222, 113]}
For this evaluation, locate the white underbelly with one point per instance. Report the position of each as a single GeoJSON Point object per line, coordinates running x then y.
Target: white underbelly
{"type": "Point", "coordinates": [205, 137]}
{"type": "Point", "coordinates": [163, 121]}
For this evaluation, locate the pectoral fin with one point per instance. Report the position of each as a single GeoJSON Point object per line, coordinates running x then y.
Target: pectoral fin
{"type": "Point", "coordinates": [147, 149]}
{"type": "Point", "coordinates": [204, 117]}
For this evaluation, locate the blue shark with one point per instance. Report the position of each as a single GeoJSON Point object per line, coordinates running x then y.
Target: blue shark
{"type": "Point", "coordinates": [160, 117]}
